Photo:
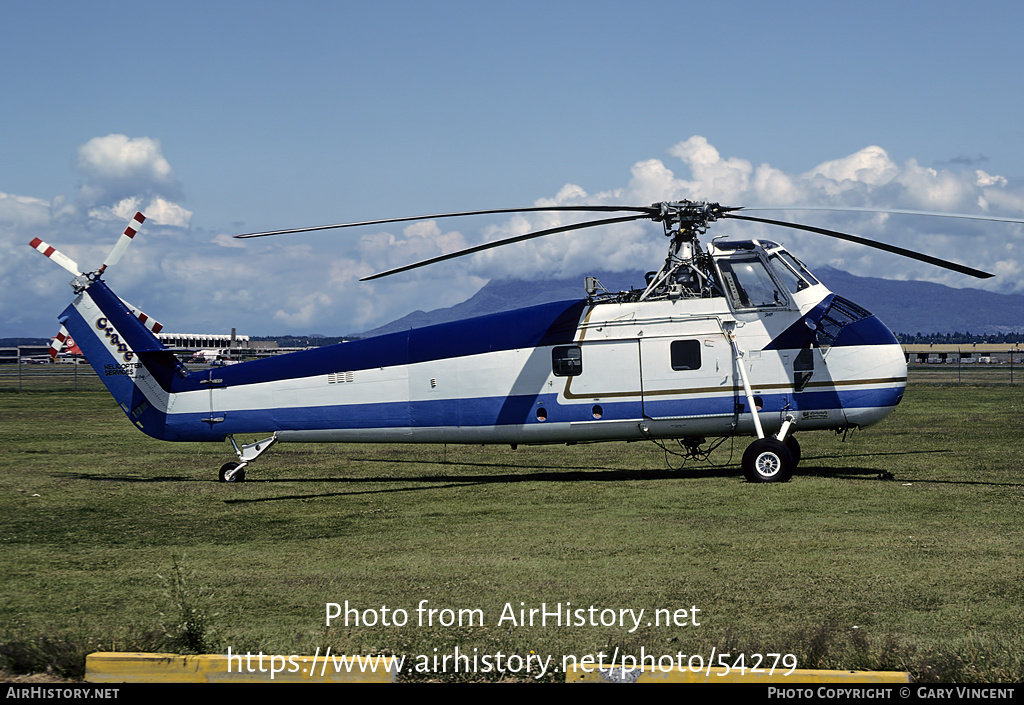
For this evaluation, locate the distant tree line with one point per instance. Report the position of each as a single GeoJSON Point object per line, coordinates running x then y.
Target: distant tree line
{"type": "Point", "coordinates": [959, 338]}
{"type": "Point", "coordinates": [15, 342]}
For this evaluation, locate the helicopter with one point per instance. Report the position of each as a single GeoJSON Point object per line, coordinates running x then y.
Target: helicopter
{"type": "Point", "coordinates": [729, 338]}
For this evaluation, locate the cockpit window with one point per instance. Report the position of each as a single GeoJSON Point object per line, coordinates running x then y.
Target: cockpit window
{"type": "Point", "coordinates": [749, 285]}
{"type": "Point", "coordinates": [798, 267]}
{"type": "Point", "coordinates": [793, 281]}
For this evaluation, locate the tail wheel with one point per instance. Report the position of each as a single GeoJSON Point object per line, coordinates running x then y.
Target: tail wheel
{"type": "Point", "coordinates": [768, 460]}
{"type": "Point", "coordinates": [229, 473]}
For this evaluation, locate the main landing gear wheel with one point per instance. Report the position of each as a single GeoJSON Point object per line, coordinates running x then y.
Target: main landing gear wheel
{"type": "Point", "coordinates": [768, 460]}
{"type": "Point", "coordinates": [229, 473]}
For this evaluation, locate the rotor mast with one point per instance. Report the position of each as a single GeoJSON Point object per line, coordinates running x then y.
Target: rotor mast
{"type": "Point", "coordinates": [686, 267]}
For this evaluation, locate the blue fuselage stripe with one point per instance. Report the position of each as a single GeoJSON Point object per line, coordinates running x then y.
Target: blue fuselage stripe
{"type": "Point", "coordinates": [510, 411]}
{"type": "Point", "coordinates": [537, 326]}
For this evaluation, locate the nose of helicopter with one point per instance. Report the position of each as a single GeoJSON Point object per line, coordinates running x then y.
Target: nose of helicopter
{"type": "Point", "coordinates": [875, 381]}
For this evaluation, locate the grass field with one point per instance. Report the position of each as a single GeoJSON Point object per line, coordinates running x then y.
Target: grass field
{"type": "Point", "coordinates": [896, 548]}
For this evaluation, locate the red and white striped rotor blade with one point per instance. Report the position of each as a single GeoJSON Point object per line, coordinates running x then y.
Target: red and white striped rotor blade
{"type": "Point", "coordinates": [154, 325]}
{"type": "Point", "coordinates": [122, 243]}
{"type": "Point", "coordinates": [56, 255]}
{"type": "Point", "coordinates": [58, 342]}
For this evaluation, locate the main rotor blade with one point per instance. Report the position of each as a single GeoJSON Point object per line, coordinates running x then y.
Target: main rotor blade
{"type": "Point", "coordinates": [870, 243]}
{"type": "Point", "coordinates": [894, 211]}
{"type": "Point", "coordinates": [508, 241]}
{"type": "Point", "coordinates": [608, 209]}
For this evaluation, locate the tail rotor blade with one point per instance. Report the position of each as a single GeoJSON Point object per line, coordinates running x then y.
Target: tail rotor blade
{"type": "Point", "coordinates": [154, 325]}
{"type": "Point", "coordinates": [58, 343]}
{"type": "Point", "coordinates": [56, 255]}
{"type": "Point", "coordinates": [122, 243]}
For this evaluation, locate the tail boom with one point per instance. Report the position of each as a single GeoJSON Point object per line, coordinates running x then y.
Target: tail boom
{"type": "Point", "coordinates": [138, 371]}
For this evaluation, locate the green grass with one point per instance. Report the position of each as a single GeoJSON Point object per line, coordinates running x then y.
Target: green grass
{"type": "Point", "coordinates": [896, 548]}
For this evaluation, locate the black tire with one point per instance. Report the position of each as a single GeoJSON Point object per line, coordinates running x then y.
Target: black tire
{"type": "Point", "coordinates": [228, 467]}
{"type": "Point", "coordinates": [767, 460]}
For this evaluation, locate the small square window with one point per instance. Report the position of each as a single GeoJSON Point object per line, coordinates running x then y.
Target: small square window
{"type": "Point", "coordinates": [567, 361]}
{"type": "Point", "coordinates": [685, 354]}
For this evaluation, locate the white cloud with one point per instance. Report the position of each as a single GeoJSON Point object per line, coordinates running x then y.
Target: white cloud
{"type": "Point", "coordinates": [23, 211]}
{"type": "Point", "coordinates": [985, 180]}
{"type": "Point", "coordinates": [714, 178]}
{"type": "Point", "coordinates": [117, 166]}
{"type": "Point", "coordinates": [870, 166]}
{"type": "Point", "coordinates": [928, 189]}
{"type": "Point", "coordinates": [775, 187]}
{"type": "Point", "coordinates": [165, 212]}
{"type": "Point", "coordinates": [303, 312]}
{"type": "Point", "coordinates": [867, 178]}
{"type": "Point", "coordinates": [120, 175]}
{"type": "Point", "coordinates": [211, 282]}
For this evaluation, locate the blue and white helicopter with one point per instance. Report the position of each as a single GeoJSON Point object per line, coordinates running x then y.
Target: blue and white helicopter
{"type": "Point", "coordinates": [731, 338]}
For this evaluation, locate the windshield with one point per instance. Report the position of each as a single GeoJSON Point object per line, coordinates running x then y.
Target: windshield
{"type": "Point", "coordinates": [749, 285]}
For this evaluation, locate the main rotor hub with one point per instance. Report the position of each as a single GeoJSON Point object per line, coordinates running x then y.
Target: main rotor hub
{"type": "Point", "coordinates": [686, 219]}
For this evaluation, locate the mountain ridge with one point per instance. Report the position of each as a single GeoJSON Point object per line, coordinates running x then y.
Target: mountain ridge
{"type": "Point", "coordinates": [906, 306]}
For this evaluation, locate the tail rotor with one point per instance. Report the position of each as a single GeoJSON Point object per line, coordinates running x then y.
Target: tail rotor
{"type": "Point", "coordinates": [112, 257]}
{"type": "Point", "coordinates": [82, 279]}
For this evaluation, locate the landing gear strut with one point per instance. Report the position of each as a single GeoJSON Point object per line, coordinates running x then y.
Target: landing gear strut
{"type": "Point", "coordinates": [235, 472]}
{"type": "Point", "coordinates": [793, 447]}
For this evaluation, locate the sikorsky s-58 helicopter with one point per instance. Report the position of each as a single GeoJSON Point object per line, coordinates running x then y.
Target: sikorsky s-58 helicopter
{"type": "Point", "coordinates": [729, 338]}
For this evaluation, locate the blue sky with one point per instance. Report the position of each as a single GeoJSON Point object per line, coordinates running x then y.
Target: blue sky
{"type": "Point", "coordinates": [217, 118]}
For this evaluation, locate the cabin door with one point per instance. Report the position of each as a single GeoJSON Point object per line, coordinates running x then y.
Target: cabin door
{"type": "Point", "coordinates": [688, 378]}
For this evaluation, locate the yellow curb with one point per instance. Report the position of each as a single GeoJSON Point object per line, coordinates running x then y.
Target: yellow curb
{"type": "Point", "coordinates": [647, 674]}
{"type": "Point", "coordinates": [115, 667]}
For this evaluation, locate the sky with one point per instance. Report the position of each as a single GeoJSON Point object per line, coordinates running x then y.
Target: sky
{"type": "Point", "coordinates": [220, 118]}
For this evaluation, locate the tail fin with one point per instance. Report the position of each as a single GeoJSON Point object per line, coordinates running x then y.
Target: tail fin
{"type": "Point", "coordinates": [140, 373]}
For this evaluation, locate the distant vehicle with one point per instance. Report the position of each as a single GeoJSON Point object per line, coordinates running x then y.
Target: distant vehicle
{"type": "Point", "coordinates": [205, 355]}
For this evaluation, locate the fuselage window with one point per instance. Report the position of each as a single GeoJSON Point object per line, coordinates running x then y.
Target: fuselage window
{"type": "Point", "coordinates": [567, 361]}
{"type": "Point", "coordinates": [685, 354]}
